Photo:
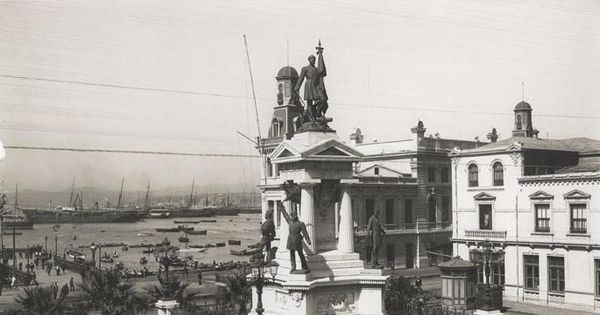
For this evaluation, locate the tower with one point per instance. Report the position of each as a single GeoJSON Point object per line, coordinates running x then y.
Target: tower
{"type": "Point", "coordinates": [523, 125]}
{"type": "Point", "coordinates": [288, 106]}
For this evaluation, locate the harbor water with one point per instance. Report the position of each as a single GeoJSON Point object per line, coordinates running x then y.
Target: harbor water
{"type": "Point", "coordinates": [244, 227]}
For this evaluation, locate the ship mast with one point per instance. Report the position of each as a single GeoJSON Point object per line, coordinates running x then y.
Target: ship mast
{"type": "Point", "coordinates": [191, 202]}
{"type": "Point", "coordinates": [72, 194]}
{"type": "Point", "coordinates": [121, 193]}
{"type": "Point", "coordinates": [147, 194]}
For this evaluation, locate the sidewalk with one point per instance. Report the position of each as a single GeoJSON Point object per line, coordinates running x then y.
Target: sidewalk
{"type": "Point", "coordinates": [535, 309]}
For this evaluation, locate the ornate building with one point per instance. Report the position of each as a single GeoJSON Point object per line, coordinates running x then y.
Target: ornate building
{"type": "Point", "coordinates": [536, 201]}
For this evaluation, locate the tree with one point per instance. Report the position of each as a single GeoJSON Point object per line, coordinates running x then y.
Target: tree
{"type": "Point", "coordinates": [41, 301]}
{"type": "Point", "coordinates": [107, 292]}
{"type": "Point", "coordinates": [239, 291]}
{"type": "Point", "coordinates": [171, 288]}
{"type": "Point", "coordinates": [398, 293]}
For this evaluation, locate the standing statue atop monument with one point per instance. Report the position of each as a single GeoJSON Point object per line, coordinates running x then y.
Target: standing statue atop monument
{"type": "Point", "coordinates": [374, 232]}
{"type": "Point", "coordinates": [267, 230]}
{"type": "Point", "coordinates": [294, 241]}
{"type": "Point", "coordinates": [314, 89]}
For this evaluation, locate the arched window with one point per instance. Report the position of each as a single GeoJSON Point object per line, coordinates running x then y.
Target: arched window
{"type": "Point", "coordinates": [498, 174]}
{"type": "Point", "coordinates": [473, 175]}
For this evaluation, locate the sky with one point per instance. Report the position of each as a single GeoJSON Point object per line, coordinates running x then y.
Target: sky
{"type": "Point", "coordinates": [173, 76]}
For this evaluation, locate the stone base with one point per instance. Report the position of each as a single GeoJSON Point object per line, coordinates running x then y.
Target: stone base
{"type": "Point", "coordinates": [165, 306]}
{"type": "Point", "coordinates": [337, 284]}
{"type": "Point", "coordinates": [482, 312]}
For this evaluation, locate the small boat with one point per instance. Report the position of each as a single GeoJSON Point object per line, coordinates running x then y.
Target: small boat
{"type": "Point", "coordinates": [107, 259]}
{"type": "Point", "coordinates": [143, 260]}
{"type": "Point", "coordinates": [125, 248]}
{"type": "Point", "coordinates": [180, 228]}
{"type": "Point", "coordinates": [220, 244]}
{"type": "Point", "coordinates": [160, 213]}
{"type": "Point", "coordinates": [183, 239]}
{"type": "Point", "coordinates": [11, 233]}
{"type": "Point", "coordinates": [115, 255]}
{"type": "Point", "coordinates": [192, 250]}
{"type": "Point", "coordinates": [197, 246]}
{"type": "Point", "coordinates": [234, 242]}
{"type": "Point", "coordinates": [144, 234]}
{"type": "Point", "coordinates": [244, 252]}
{"type": "Point", "coordinates": [185, 222]}
{"type": "Point", "coordinates": [208, 221]}
{"type": "Point", "coordinates": [102, 231]}
{"type": "Point", "coordinates": [148, 251]}
{"type": "Point", "coordinates": [198, 232]}
{"type": "Point", "coordinates": [75, 255]}
{"type": "Point", "coordinates": [255, 245]}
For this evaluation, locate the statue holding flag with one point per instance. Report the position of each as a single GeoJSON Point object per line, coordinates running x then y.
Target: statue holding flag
{"type": "Point", "coordinates": [314, 89]}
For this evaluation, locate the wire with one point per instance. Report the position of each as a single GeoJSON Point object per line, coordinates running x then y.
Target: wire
{"type": "Point", "coordinates": [132, 152]}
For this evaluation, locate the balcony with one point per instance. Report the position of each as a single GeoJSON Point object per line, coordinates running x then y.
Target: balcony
{"type": "Point", "coordinates": [485, 234]}
{"type": "Point", "coordinates": [410, 228]}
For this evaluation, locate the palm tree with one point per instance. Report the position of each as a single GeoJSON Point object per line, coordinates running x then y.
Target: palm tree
{"type": "Point", "coordinates": [41, 301]}
{"type": "Point", "coordinates": [107, 292]}
{"type": "Point", "coordinates": [171, 288]}
{"type": "Point", "coordinates": [239, 291]}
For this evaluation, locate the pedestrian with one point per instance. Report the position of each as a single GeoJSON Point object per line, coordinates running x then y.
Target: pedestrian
{"type": "Point", "coordinates": [13, 281]}
{"type": "Point", "coordinates": [57, 270]}
{"type": "Point", "coordinates": [64, 291]}
{"type": "Point", "coordinates": [72, 284]}
{"type": "Point", "coordinates": [21, 265]}
{"type": "Point", "coordinates": [200, 278]}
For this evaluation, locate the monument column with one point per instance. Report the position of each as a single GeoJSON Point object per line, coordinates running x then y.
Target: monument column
{"type": "Point", "coordinates": [346, 236]}
{"type": "Point", "coordinates": [307, 214]}
{"type": "Point", "coordinates": [284, 227]}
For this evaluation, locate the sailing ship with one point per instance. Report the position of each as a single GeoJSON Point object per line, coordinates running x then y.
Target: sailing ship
{"type": "Point", "coordinates": [75, 212]}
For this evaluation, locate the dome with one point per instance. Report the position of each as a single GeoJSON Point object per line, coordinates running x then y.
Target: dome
{"type": "Point", "coordinates": [523, 106]}
{"type": "Point", "coordinates": [287, 72]}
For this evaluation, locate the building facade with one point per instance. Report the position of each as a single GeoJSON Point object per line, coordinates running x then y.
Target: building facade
{"type": "Point", "coordinates": [535, 201]}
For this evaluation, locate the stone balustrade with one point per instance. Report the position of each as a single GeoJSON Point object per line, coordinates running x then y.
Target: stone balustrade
{"type": "Point", "coordinates": [485, 234]}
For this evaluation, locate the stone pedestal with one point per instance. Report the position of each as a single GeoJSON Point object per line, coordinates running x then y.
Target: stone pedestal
{"type": "Point", "coordinates": [337, 283]}
{"type": "Point", "coordinates": [166, 306]}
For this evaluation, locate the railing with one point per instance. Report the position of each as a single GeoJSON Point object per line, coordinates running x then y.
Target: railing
{"type": "Point", "coordinates": [409, 227]}
{"type": "Point", "coordinates": [485, 234]}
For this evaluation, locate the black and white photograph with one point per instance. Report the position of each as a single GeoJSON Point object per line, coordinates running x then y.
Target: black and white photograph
{"type": "Point", "coordinates": [277, 157]}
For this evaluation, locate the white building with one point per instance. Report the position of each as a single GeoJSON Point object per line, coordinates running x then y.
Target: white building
{"type": "Point", "coordinates": [536, 200]}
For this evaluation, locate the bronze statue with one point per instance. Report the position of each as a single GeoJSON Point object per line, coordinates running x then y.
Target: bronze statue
{"type": "Point", "coordinates": [267, 230]}
{"type": "Point", "coordinates": [294, 241]}
{"type": "Point", "coordinates": [374, 232]}
{"type": "Point", "coordinates": [314, 89]}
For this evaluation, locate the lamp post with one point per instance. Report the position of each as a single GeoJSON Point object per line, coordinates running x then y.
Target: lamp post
{"type": "Point", "coordinates": [99, 256]}
{"type": "Point", "coordinates": [259, 279]}
{"type": "Point", "coordinates": [46, 241]}
{"type": "Point", "coordinates": [56, 244]}
{"type": "Point", "coordinates": [93, 249]}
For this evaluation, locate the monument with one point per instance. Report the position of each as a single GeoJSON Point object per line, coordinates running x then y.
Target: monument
{"type": "Point", "coordinates": [310, 175]}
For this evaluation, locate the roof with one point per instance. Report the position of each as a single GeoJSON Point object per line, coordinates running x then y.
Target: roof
{"type": "Point", "coordinates": [592, 166]}
{"type": "Point", "coordinates": [581, 145]}
{"type": "Point", "coordinates": [457, 263]}
{"type": "Point", "coordinates": [287, 72]}
{"type": "Point", "coordinates": [523, 106]}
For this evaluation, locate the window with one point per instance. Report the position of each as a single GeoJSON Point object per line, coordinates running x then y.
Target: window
{"type": "Point", "coordinates": [390, 252]}
{"type": "Point", "coordinates": [431, 174]}
{"type": "Point", "coordinates": [389, 211]}
{"type": "Point", "coordinates": [409, 256]}
{"type": "Point", "coordinates": [542, 217]}
{"type": "Point", "coordinates": [556, 274]}
{"type": "Point", "coordinates": [485, 217]}
{"type": "Point", "coordinates": [445, 175]}
{"type": "Point", "coordinates": [578, 219]}
{"type": "Point", "coordinates": [473, 175]}
{"type": "Point", "coordinates": [369, 207]}
{"type": "Point", "coordinates": [532, 272]}
{"type": "Point", "coordinates": [408, 211]}
{"type": "Point", "coordinates": [445, 208]}
{"type": "Point", "coordinates": [498, 174]}
{"type": "Point", "coordinates": [376, 170]}
{"type": "Point", "coordinates": [597, 267]}
{"type": "Point", "coordinates": [269, 168]}
{"type": "Point", "coordinates": [432, 204]}
{"type": "Point", "coordinates": [497, 272]}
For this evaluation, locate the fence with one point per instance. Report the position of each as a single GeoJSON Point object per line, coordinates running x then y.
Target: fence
{"type": "Point", "coordinates": [435, 309]}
